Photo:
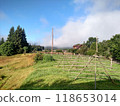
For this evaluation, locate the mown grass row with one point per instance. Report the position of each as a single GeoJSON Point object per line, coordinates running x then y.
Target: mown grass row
{"type": "Point", "coordinates": [20, 72]}
{"type": "Point", "coordinates": [48, 75]}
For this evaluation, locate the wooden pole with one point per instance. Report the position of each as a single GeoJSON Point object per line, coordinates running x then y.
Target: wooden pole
{"type": "Point", "coordinates": [83, 68]}
{"type": "Point", "coordinates": [52, 42]}
{"type": "Point", "coordinates": [111, 62]}
{"type": "Point", "coordinates": [96, 46]}
{"type": "Point", "coordinates": [95, 72]}
{"type": "Point", "coordinates": [95, 60]}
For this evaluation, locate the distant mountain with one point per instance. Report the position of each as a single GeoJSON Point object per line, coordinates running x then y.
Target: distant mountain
{"type": "Point", "coordinates": [49, 48]}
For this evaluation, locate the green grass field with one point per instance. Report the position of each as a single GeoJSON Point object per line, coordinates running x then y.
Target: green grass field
{"type": "Point", "coordinates": [20, 72]}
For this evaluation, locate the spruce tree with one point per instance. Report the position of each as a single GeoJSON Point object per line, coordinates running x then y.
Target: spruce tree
{"type": "Point", "coordinates": [2, 41]}
{"type": "Point", "coordinates": [11, 35]}
{"type": "Point", "coordinates": [24, 41]}
{"type": "Point", "coordinates": [20, 40]}
{"type": "Point", "coordinates": [16, 40]}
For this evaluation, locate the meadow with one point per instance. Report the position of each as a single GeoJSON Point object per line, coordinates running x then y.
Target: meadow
{"type": "Point", "coordinates": [20, 72]}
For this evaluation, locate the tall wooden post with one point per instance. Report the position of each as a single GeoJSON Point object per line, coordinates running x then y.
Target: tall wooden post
{"type": "Point", "coordinates": [96, 60]}
{"type": "Point", "coordinates": [111, 62]}
{"type": "Point", "coordinates": [96, 46]}
{"type": "Point", "coordinates": [95, 71]}
{"type": "Point", "coordinates": [52, 42]}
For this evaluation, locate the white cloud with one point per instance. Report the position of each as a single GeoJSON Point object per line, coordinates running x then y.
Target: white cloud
{"type": "Point", "coordinates": [98, 5]}
{"type": "Point", "coordinates": [103, 21]}
{"type": "Point", "coordinates": [2, 15]}
{"type": "Point", "coordinates": [104, 5]}
{"type": "Point", "coordinates": [102, 25]}
{"type": "Point", "coordinates": [43, 21]}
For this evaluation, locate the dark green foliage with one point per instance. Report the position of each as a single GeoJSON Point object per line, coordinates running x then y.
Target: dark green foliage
{"type": "Point", "coordinates": [18, 39]}
{"type": "Point", "coordinates": [93, 46]}
{"type": "Point", "coordinates": [48, 58]}
{"type": "Point", "coordinates": [25, 48]}
{"type": "Point", "coordinates": [38, 57]}
{"type": "Point", "coordinates": [7, 49]}
{"type": "Point", "coordinates": [45, 58]}
{"type": "Point", "coordinates": [115, 47]}
{"type": "Point", "coordinates": [72, 50]}
{"type": "Point", "coordinates": [90, 41]}
{"type": "Point", "coordinates": [11, 36]}
{"type": "Point", "coordinates": [90, 52]}
{"type": "Point", "coordinates": [37, 48]}
{"type": "Point", "coordinates": [110, 48]}
{"type": "Point", "coordinates": [47, 50]}
{"type": "Point", "coordinates": [82, 50]}
{"type": "Point", "coordinates": [58, 50]}
{"type": "Point", "coordinates": [104, 48]}
{"type": "Point", "coordinates": [2, 41]}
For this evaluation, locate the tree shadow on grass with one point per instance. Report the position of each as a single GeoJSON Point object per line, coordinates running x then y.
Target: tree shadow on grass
{"type": "Point", "coordinates": [1, 67]}
{"type": "Point", "coordinates": [70, 85]}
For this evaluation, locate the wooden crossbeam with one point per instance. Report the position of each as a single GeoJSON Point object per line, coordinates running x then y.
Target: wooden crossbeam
{"type": "Point", "coordinates": [83, 68]}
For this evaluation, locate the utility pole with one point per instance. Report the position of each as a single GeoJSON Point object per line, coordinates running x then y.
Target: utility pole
{"type": "Point", "coordinates": [52, 42]}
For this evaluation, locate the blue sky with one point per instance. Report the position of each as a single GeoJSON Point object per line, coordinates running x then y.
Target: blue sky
{"type": "Point", "coordinates": [36, 16]}
{"type": "Point", "coordinates": [73, 20]}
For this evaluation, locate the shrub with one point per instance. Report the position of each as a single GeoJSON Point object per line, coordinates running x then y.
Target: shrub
{"type": "Point", "coordinates": [7, 49]}
{"type": "Point", "coordinates": [25, 49]}
{"type": "Point", "coordinates": [90, 52]}
{"type": "Point", "coordinates": [72, 50]}
{"type": "Point", "coordinates": [58, 50]}
{"type": "Point", "coordinates": [47, 58]}
{"type": "Point", "coordinates": [38, 57]}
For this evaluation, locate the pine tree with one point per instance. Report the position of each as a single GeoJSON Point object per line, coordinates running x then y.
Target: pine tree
{"type": "Point", "coordinates": [20, 39]}
{"type": "Point", "coordinates": [11, 35]}
{"type": "Point", "coordinates": [16, 42]}
{"type": "Point", "coordinates": [2, 41]}
{"type": "Point", "coordinates": [24, 41]}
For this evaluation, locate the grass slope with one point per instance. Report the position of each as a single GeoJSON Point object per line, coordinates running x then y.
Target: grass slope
{"type": "Point", "coordinates": [20, 72]}
{"type": "Point", "coordinates": [48, 76]}
{"type": "Point", "coordinates": [14, 70]}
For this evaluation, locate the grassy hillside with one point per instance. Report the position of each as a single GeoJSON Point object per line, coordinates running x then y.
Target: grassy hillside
{"type": "Point", "coordinates": [20, 72]}
{"type": "Point", "coordinates": [14, 70]}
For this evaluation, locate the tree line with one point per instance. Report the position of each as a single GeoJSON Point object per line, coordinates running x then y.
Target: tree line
{"type": "Point", "coordinates": [108, 48]}
{"type": "Point", "coordinates": [16, 43]}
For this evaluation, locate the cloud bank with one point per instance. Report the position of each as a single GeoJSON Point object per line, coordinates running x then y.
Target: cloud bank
{"type": "Point", "coordinates": [102, 21]}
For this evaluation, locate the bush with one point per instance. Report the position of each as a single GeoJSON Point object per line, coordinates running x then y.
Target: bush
{"type": "Point", "coordinates": [58, 50]}
{"type": "Point", "coordinates": [72, 50]}
{"type": "Point", "coordinates": [25, 49]}
{"type": "Point", "coordinates": [38, 57]}
{"type": "Point", "coordinates": [47, 58]}
{"type": "Point", "coordinates": [90, 52]}
{"type": "Point", "coordinates": [7, 49]}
